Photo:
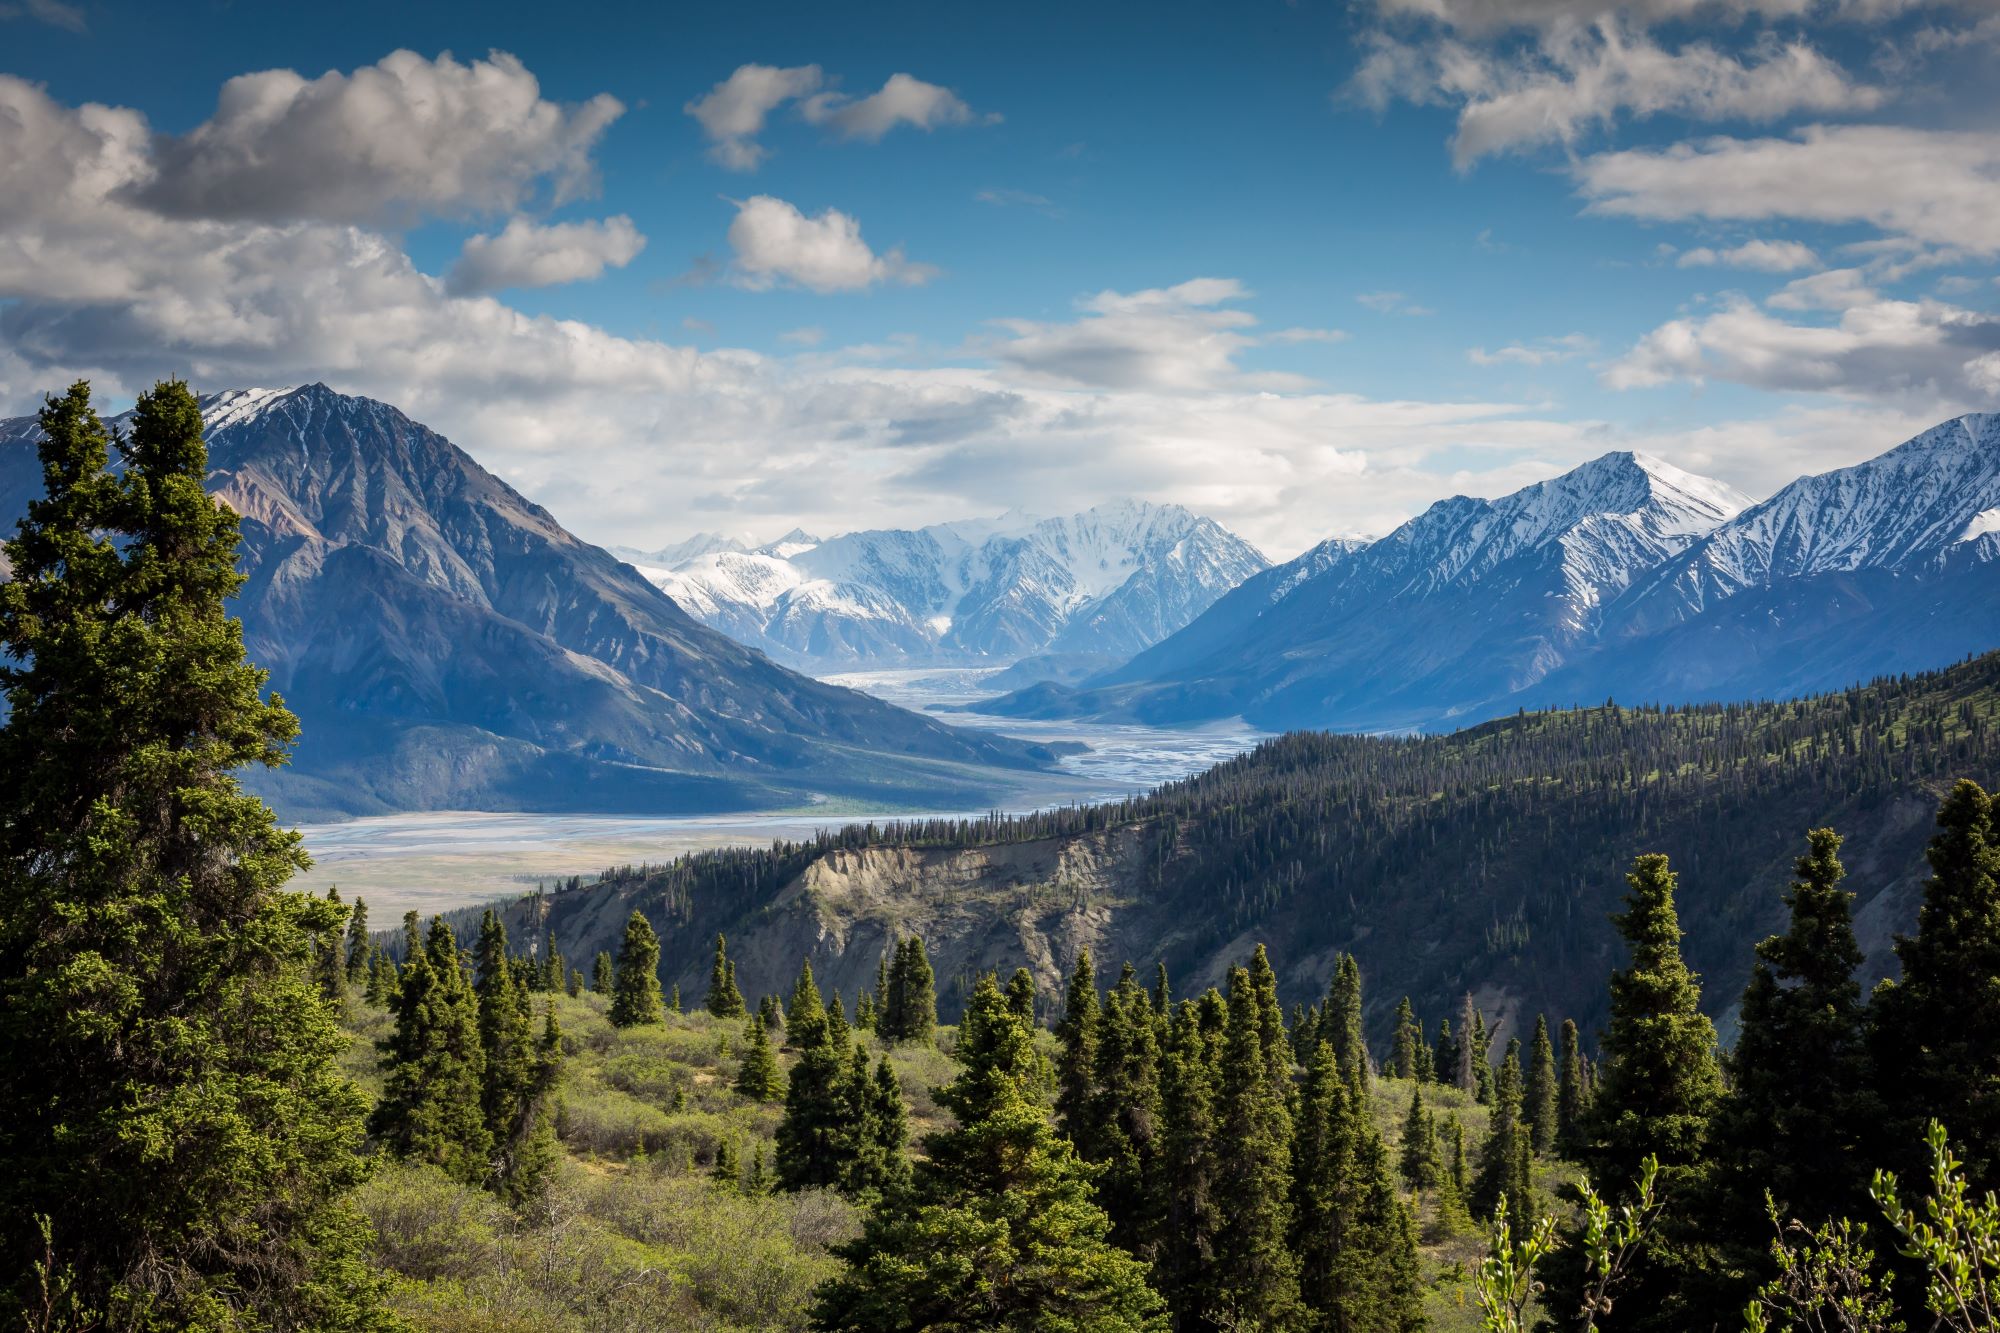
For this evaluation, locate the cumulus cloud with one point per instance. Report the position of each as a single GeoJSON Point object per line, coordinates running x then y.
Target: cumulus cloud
{"type": "Point", "coordinates": [1576, 78]}
{"type": "Point", "coordinates": [903, 100]}
{"type": "Point", "coordinates": [394, 141]}
{"type": "Point", "coordinates": [527, 254]}
{"type": "Point", "coordinates": [775, 243]}
{"type": "Point", "coordinates": [1934, 187]}
{"type": "Point", "coordinates": [1540, 352]}
{"type": "Point", "coordinates": [732, 113]}
{"type": "Point", "coordinates": [1925, 352]}
{"type": "Point", "coordinates": [1763, 256]}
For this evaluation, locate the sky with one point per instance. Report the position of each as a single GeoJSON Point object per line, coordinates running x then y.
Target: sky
{"type": "Point", "coordinates": [1303, 267]}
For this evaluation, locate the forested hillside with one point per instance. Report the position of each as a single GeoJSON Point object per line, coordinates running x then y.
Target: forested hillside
{"type": "Point", "coordinates": [1487, 860]}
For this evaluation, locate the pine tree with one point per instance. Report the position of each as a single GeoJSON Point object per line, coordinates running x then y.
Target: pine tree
{"type": "Point", "coordinates": [1570, 1102]}
{"type": "Point", "coordinates": [1271, 1037]}
{"type": "Point", "coordinates": [724, 1000]}
{"type": "Point", "coordinates": [635, 983]}
{"type": "Point", "coordinates": [999, 1230]}
{"type": "Point", "coordinates": [553, 967]}
{"type": "Point", "coordinates": [601, 974]}
{"type": "Point", "coordinates": [330, 954]}
{"type": "Point", "coordinates": [382, 981]}
{"type": "Point", "coordinates": [1659, 1087]}
{"type": "Point", "coordinates": [358, 946]}
{"type": "Point", "coordinates": [674, 997]}
{"type": "Point", "coordinates": [1504, 1159]}
{"type": "Point", "coordinates": [172, 1102]}
{"type": "Point", "coordinates": [431, 1109]}
{"type": "Point", "coordinates": [805, 1012]}
{"type": "Point", "coordinates": [1466, 1051]}
{"type": "Point", "coordinates": [816, 1136]}
{"type": "Point", "coordinates": [1540, 1106]}
{"type": "Point", "coordinates": [1936, 1037]}
{"type": "Point", "coordinates": [1482, 1058]}
{"type": "Point", "coordinates": [1417, 1159]}
{"type": "Point", "coordinates": [1021, 995]}
{"type": "Point", "coordinates": [1444, 1061]}
{"type": "Point", "coordinates": [1163, 996]}
{"type": "Point", "coordinates": [864, 1011]}
{"type": "Point", "coordinates": [575, 986]}
{"type": "Point", "coordinates": [511, 1076]}
{"type": "Point", "coordinates": [758, 1076]}
{"type": "Point", "coordinates": [1076, 1059]}
{"type": "Point", "coordinates": [1256, 1275]}
{"type": "Point", "coordinates": [838, 1031]}
{"type": "Point", "coordinates": [911, 1013]}
{"type": "Point", "coordinates": [1343, 1008]}
{"type": "Point", "coordinates": [1123, 1113]}
{"type": "Point", "coordinates": [1409, 1037]}
{"type": "Point", "coordinates": [873, 1165]}
{"type": "Point", "coordinates": [1192, 1210]}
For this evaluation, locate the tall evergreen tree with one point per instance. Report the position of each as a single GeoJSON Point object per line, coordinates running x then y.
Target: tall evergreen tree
{"type": "Point", "coordinates": [1540, 1106]}
{"type": "Point", "coordinates": [1343, 1016]}
{"type": "Point", "coordinates": [1192, 1211]}
{"type": "Point", "coordinates": [1076, 1058]}
{"type": "Point", "coordinates": [358, 946]}
{"type": "Point", "coordinates": [1409, 1037]}
{"type": "Point", "coordinates": [330, 952]}
{"type": "Point", "coordinates": [805, 1012]}
{"type": "Point", "coordinates": [816, 1139]}
{"type": "Point", "coordinates": [1021, 995]}
{"type": "Point", "coordinates": [601, 974]}
{"type": "Point", "coordinates": [1163, 996]}
{"type": "Point", "coordinates": [999, 1230]}
{"type": "Point", "coordinates": [1418, 1157]}
{"type": "Point", "coordinates": [635, 983]}
{"type": "Point", "coordinates": [1256, 1274]}
{"type": "Point", "coordinates": [1659, 1088]}
{"type": "Point", "coordinates": [911, 1014]}
{"type": "Point", "coordinates": [724, 1000]}
{"type": "Point", "coordinates": [1124, 1113]}
{"type": "Point", "coordinates": [1277, 1047]}
{"type": "Point", "coordinates": [1466, 1051]}
{"type": "Point", "coordinates": [873, 1166]}
{"type": "Point", "coordinates": [513, 1073]}
{"type": "Point", "coordinates": [432, 1107]}
{"type": "Point", "coordinates": [1570, 1100]}
{"type": "Point", "coordinates": [1444, 1060]}
{"type": "Point", "coordinates": [1504, 1159]}
{"type": "Point", "coordinates": [1936, 1038]}
{"type": "Point", "coordinates": [758, 1076]}
{"type": "Point", "coordinates": [172, 1104]}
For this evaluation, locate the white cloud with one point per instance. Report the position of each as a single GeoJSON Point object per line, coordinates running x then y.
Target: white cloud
{"type": "Point", "coordinates": [55, 13]}
{"type": "Point", "coordinates": [903, 100]}
{"type": "Point", "coordinates": [401, 139]}
{"type": "Point", "coordinates": [1490, 16]}
{"type": "Point", "coordinates": [1392, 303]}
{"type": "Point", "coordinates": [1540, 352]}
{"type": "Point", "coordinates": [1576, 78]}
{"type": "Point", "coordinates": [809, 336]}
{"type": "Point", "coordinates": [1167, 338]}
{"type": "Point", "coordinates": [527, 254]}
{"type": "Point", "coordinates": [1764, 256]}
{"type": "Point", "coordinates": [776, 243]}
{"type": "Point", "coordinates": [1936, 187]}
{"type": "Point", "coordinates": [1913, 353]}
{"type": "Point", "coordinates": [732, 113]}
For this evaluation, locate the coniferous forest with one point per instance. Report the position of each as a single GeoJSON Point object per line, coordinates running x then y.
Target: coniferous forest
{"type": "Point", "coordinates": [230, 1106]}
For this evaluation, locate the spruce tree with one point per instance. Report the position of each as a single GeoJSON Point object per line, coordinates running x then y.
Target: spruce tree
{"type": "Point", "coordinates": [358, 946]}
{"type": "Point", "coordinates": [864, 1011]}
{"type": "Point", "coordinates": [1277, 1046]}
{"type": "Point", "coordinates": [172, 1103]}
{"type": "Point", "coordinates": [1417, 1157]}
{"type": "Point", "coordinates": [1192, 1212]}
{"type": "Point", "coordinates": [1076, 1058]}
{"type": "Point", "coordinates": [873, 1165]}
{"type": "Point", "coordinates": [838, 1030]}
{"type": "Point", "coordinates": [510, 1082]}
{"type": "Point", "coordinates": [674, 998]}
{"type": "Point", "coordinates": [330, 953]}
{"type": "Point", "coordinates": [805, 1012]}
{"type": "Point", "coordinates": [816, 1136]}
{"type": "Point", "coordinates": [999, 1230]}
{"type": "Point", "coordinates": [723, 1000]}
{"type": "Point", "coordinates": [381, 978]}
{"type": "Point", "coordinates": [1936, 1032]}
{"type": "Point", "coordinates": [1162, 994]}
{"type": "Point", "coordinates": [1504, 1159]}
{"type": "Point", "coordinates": [758, 1076]}
{"type": "Point", "coordinates": [1540, 1107]}
{"type": "Point", "coordinates": [1256, 1275]}
{"type": "Point", "coordinates": [912, 1008]}
{"type": "Point", "coordinates": [1444, 1061]}
{"type": "Point", "coordinates": [1124, 1113]}
{"type": "Point", "coordinates": [1659, 1087]}
{"type": "Point", "coordinates": [635, 983]}
{"type": "Point", "coordinates": [431, 1109]}
{"type": "Point", "coordinates": [1466, 1052]}
{"type": "Point", "coordinates": [1570, 1100]}
{"type": "Point", "coordinates": [601, 974]}
{"type": "Point", "coordinates": [1409, 1037]}
{"type": "Point", "coordinates": [1343, 1014]}
{"type": "Point", "coordinates": [1021, 995]}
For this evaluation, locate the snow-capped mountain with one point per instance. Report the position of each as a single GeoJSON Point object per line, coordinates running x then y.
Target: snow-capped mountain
{"type": "Point", "coordinates": [446, 643]}
{"type": "Point", "coordinates": [1468, 603]}
{"type": "Point", "coordinates": [1111, 580]}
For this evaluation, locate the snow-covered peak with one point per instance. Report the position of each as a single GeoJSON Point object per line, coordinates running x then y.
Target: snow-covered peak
{"type": "Point", "coordinates": [796, 542]}
{"type": "Point", "coordinates": [237, 406]}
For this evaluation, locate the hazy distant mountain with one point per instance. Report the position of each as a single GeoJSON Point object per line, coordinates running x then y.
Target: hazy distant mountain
{"type": "Point", "coordinates": [1448, 616]}
{"type": "Point", "coordinates": [1625, 578]}
{"type": "Point", "coordinates": [447, 644]}
{"type": "Point", "coordinates": [1108, 582]}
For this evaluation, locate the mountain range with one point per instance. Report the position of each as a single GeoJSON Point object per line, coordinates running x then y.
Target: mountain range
{"type": "Point", "coordinates": [1624, 578]}
{"type": "Point", "coordinates": [1102, 584]}
{"type": "Point", "coordinates": [446, 643]}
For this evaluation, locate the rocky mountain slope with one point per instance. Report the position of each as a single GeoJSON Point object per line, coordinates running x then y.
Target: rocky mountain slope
{"type": "Point", "coordinates": [448, 644]}
{"type": "Point", "coordinates": [1486, 860]}
{"type": "Point", "coordinates": [1109, 581]}
{"type": "Point", "coordinates": [1450, 616]}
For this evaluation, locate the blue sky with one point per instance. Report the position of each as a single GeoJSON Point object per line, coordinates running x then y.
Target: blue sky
{"type": "Point", "coordinates": [1305, 267]}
